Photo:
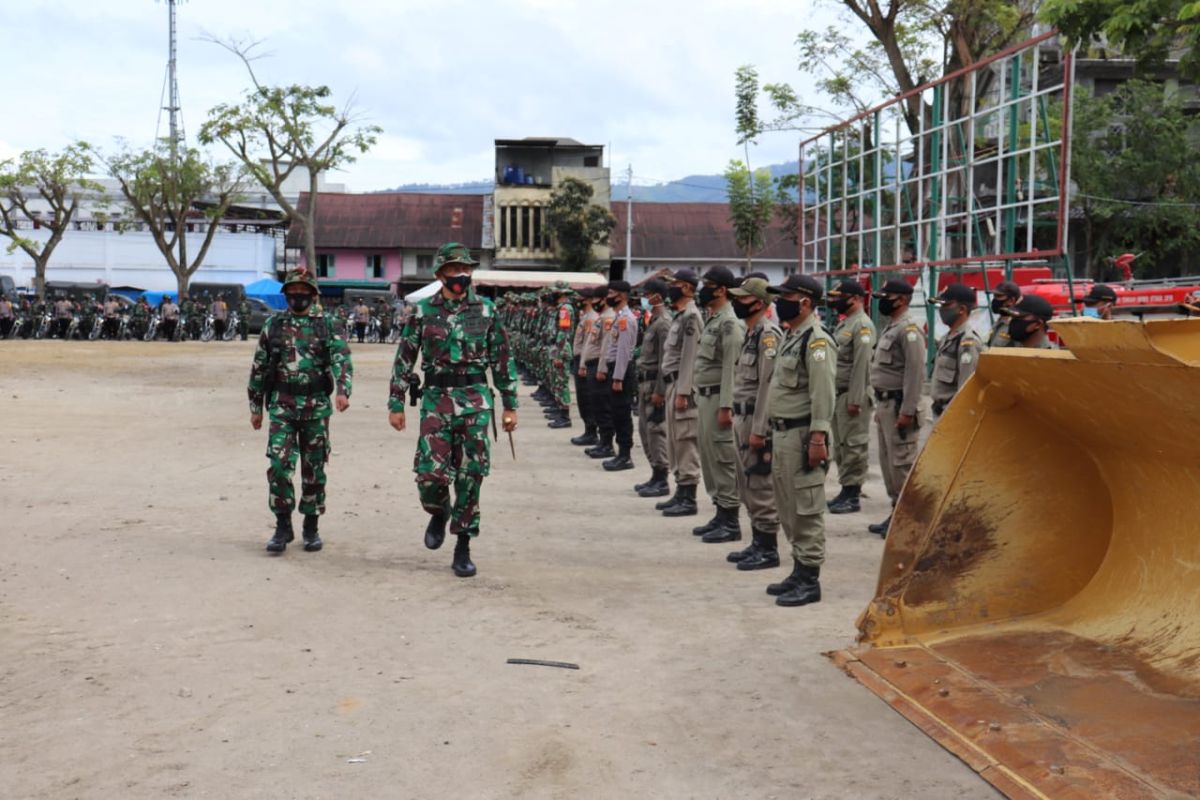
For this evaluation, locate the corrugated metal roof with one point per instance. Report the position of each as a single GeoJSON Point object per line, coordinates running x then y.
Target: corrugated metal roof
{"type": "Point", "coordinates": [689, 231]}
{"type": "Point", "coordinates": [393, 220]}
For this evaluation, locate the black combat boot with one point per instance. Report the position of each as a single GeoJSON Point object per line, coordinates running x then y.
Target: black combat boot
{"type": "Point", "coordinates": [710, 526]}
{"type": "Point", "coordinates": [312, 539]}
{"type": "Point", "coordinates": [673, 500]}
{"type": "Point", "coordinates": [686, 505]}
{"type": "Point", "coordinates": [806, 590]}
{"type": "Point", "coordinates": [435, 531]}
{"type": "Point", "coordinates": [751, 551]}
{"type": "Point", "coordinates": [847, 501]}
{"type": "Point", "coordinates": [766, 556]}
{"type": "Point", "coordinates": [788, 583]}
{"type": "Point", "coordinates": [840, 497]}
{"type": "Point", "coordinates": [602, 450]}
{"type": "Point", "coordinates": [283, 534]}
{"type": "Point", "coordinates": [588, 439]}
{"type": "Point", "coordinates": [563, 420]}
{"type": "Point", "coordinates": [881, 528]}
{"type": "Point", "coordinates": [637, 487]}
{"type": "Point", "coordinates": [657, 487]}
{"type": "Point", "coordinates": [620, 462]}
{"type": "Point", "coordinates": [541, 394]}
{"type": "Point", "coordinates": [462, 565]}
{"type": "Point", "coordinates": [728, 529]}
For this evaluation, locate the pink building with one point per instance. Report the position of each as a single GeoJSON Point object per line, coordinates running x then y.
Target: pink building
{"type": "Point", "coordinates": [389, 237]}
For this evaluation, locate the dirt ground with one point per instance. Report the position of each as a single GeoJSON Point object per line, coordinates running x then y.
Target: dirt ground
{"type": "Point", "coordinates": [149, 647]}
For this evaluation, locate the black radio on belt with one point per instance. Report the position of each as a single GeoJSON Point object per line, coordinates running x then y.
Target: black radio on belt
{"type": "Point", "coordinates": [708, 391]}
{"type": "Point", "coordinates": [743, 409]}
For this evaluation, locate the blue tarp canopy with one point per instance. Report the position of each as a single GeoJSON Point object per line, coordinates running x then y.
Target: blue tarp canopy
{"type": "Point", "coordinates": [155, 298]}
{"type": "Point", "coordinates": [269, 291]}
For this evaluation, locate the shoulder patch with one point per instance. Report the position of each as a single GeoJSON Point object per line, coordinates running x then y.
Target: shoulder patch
{"type": "Point", "coordinates": [864, 331]}
{"type": "Point", "coordinates": [608, 323]}
{"type": "Point", "coordinates": [968, 342]}
{"type": "Point", "coordinates": [623, 324]}
{"type": "Point", "coordinates": [967, 358]}
{"type": "Point", "coordinates": [911, 335]}
{"type": "Point", "coordinates": [865, 338]}
{"type": "Point", "coordinates": [587, 326]}
{"type": "Point", "coordinates": [911, 327]}
{"type": "Point", "coordinates": [769, 342]}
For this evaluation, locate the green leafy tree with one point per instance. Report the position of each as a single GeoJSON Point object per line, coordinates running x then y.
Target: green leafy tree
{"type": "Point", "coordinates": [1137, 170]}
{"type": "Point", "coordinates": [276, 130]}
{"type": "Point", "coordinates": [751, 206]}
{"type": "Point", "coordinates": [162, 192]}
{"type": "Point", "coordinates": [1149, 30]}
{"type": "Point", "coordinates": [60, 179]}
{"type": "Point", "coordinates": [577, 223]}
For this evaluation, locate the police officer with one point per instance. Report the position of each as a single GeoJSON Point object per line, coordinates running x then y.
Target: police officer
{"type": "Point", "coordinates": [170, 319]}
{"type": "Point", "coordinates": [618, 372]}
{"type": "Point", "coordinates": [1100, 301]}
{"type": "Point", "coordinates": [601, 395]}
{"type": "Point", "coordinates": [1029, 322]}
{"type": "Point", "coordinates": [299, 362]}
{"type": "Point", "coordinates": [958, 351]}
{"type": "Point", "coordinates": [362, 318]}
{"type": "Point", "coordinates": [855, 337]}
{"type": "Point", "coordinates": [800, 402]}
{"type": "Point", "coordinates": [1004, 296]}
{"type": "Point", "coordinates": [220, 315]}
{"type": "Point", "coordinates": [588, 317]}
{"type": "Point", "coordinates": [679, 369]}
{"type": "Point", "coordinates": [897, 376]}
{"type": "Point", "coordinates": [458, 338]}
{"type": "Point", "coordinates": [7, 317]}
{"type": "Point", "coordinates": [716, 358]}
{"type": "Point", "coordinates": [243, 324]}
{"type": "Point", "coordinates": [652, 417]}
{"type": "Point", "coordinates": [751, 429]}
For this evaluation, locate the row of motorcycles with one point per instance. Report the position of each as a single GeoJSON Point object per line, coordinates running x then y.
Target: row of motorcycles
{"type": "Point", "coordinates": [127, 327]}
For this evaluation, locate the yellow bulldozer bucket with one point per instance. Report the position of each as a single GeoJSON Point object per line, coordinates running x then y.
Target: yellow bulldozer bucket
{"type": "Point", "coordinates": [1038, 605]}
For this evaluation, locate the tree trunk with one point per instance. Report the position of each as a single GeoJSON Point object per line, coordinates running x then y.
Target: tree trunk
{"type": "Point", "coordinates": [39, 275]}
{"type": "Point", "coordinates": [181, 279]}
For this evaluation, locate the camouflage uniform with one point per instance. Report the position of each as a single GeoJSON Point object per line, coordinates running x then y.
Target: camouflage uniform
{"type": "Point", "coordinates": [243, 319]}
{"type": "Point", "coordinates": [458, 341]}
{"type": "Point", "coordinates": [295, 363]}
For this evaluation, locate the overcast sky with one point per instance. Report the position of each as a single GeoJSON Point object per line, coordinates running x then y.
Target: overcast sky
{"type": "Point", "coordinates": [651, 79]}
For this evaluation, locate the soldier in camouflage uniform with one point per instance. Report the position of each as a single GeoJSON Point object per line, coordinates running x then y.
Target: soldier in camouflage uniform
{"type": "Point", "coordinates": [298, 364]}
{"type": "Point", "coordinates": [459, 338]}
{"type": "Point", "coordinates": [243, 318]}
{"type": "Point", "coordinates": [561, 353]}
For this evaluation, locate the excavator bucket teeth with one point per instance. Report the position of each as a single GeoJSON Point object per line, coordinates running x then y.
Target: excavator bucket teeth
{"type": "Point", "coordinates": [1038, 604]}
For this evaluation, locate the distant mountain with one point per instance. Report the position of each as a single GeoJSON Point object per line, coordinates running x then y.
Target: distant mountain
{"type": "Point", "coordinates": [692, 189]}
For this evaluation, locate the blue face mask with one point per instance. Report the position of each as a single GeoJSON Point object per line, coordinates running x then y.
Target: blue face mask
{"type": "Point", "coordinates": [645, 304]}
{"type": "Point", "coordinates": [1089, 311]}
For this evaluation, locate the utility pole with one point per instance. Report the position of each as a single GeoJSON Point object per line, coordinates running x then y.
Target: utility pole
{"type": "Point", "coordinates": [628, 220]}
{"type": "Point", "coordinates": [173, 106]}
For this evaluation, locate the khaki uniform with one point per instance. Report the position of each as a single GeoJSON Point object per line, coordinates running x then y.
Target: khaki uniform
{"type": "Point", "coordinates": [583, 395]}
{"type": "Point", "coordinates": [957, 357]}
{"type": "Point", "coordinates": [855, 338]}
{"type": "Point", "coordinates": [601, 391]}
{"type": "Point", "coordinates": [752, 381]}
{"type": "Point", "coordinates": [1000, 337]}
{"type": "Point", "coordinates": [720, 344]}
{"type": "Point", "coordinates": [800, 401]}
{"type": "Point", "coordinates": [897, 375]}
{"type": "Point", "coordinates": [652, 422]}
{"type": "Point", "coordinates": [679, 369]}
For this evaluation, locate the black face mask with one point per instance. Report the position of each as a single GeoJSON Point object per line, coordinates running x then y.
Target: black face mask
{"type": "Point", "coordinates": [600, 305]}
{"type": "Point", "coordinates": [744, 310]}
{"type": "Point", "coordinates": [997, 305]}
{"type": "Point", "coordinates": [707, 294]}
{"type": "Point", "coordinates": [887, 306]}
{"type": "Point", "coordinates": [787, 310]}
{"type": "Point", "coordinates": [949, 314]}
{"type": "Point", "coordinates": [299, 303]}
{"type": "Point", "coordinates": [458, 283]}
{"type": "Point", "coordinates": [1020, 329]}
{"type": "Point", "coordinates": [841, 305]}
{"type": "Point", "coordinates": [613, 301]}
{"type": "Point", "coordinates": [675, 294]}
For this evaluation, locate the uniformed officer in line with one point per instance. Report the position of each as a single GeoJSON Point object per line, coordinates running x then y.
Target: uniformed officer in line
{"type": "Point", "coordinates": [458, 339]}
{"type": "Point", "coordinates": [679, 369]}
{"type": "Point", "coordinates": [897, 376]}
{"type": "Point", "coordinates": [716, 357]}
{"type": "Point", "coordinates": [1100, 301]}
{"type": "Point", "coordinates": [1029, 322]}
{"type": "Point", "coordinates": [751, 428]}
{"type": "Point", "coordinates": [652, 417]}
{"type": "Point", "coordinates": [559, 354]}
{"type": "Point", "coordinates": [601, 394]}
{"type": "Point", "coordinates": [800, 402]}
{"type": "Point", "coordinates": [618, 372]}
{"type": "Point", "coordinates": [959, 350]}
{"type": "Point", "coordinates": [1004, 296]}
{"type": "Point", "coordinates": [855, 336]}
{"type": "Point", "coordinates": [583, 330]}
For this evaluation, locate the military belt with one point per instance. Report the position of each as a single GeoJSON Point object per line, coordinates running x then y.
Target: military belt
{"type": "Point", "coordinates": [743, 409]}
{"type": "Point", "coordinates": [669, 377]}
{"type": "Point", "coordinates": [454, 380]}
{"type": "Point", "coordinates": [788, 423]}
{"type": "Point", "coordinates": [708, 391]}
{"type": "Point", "coordinates": [648, 375]}
{"type": "Point", "coordinates": [893, 394]}
{"type": "Point", "coordinates": [301, 388]}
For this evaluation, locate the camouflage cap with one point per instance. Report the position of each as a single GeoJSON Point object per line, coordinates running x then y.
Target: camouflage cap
{"type": "Point", "coordinates": [563, 288]}
{"type": "Point", "coordinates": [754, 287]}
{"type": "Point", "coordinates": [301, 275]}
{"type": "Point", "coordinates": [453, 253]}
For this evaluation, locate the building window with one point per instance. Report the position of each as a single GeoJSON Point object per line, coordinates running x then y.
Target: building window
{"type": "Point", "coordinates": [374, 266]}
{"type": "Point", "coordinates": [537, 228]}
{"type": "Point", "coordinates": [502, 225]}
{"type": "Point", "coordinates": [425, 266]}
{"type": "Point", "coordinates": [325, 268]}
{"type": "Point", "coordinates": [591, 161]}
